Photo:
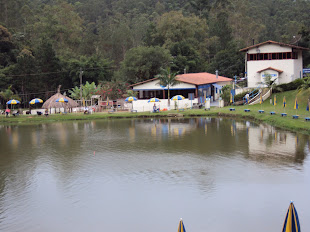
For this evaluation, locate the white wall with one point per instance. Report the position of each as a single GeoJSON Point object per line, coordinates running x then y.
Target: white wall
{"type": "Point", "coordinates": [274, 75]}
{"type": "Point", "coordinates": [269, 48]}
{"type": "Point", "coordinates": [291, 69]}
{"type": "Point", "coordinates": [143, 105]}
{"type": "Point", "coordinates": [218, 94]}
{"type": "Point", "coordinates": [298, 66]}
{"type": "Point", "coordinates": [50, 111]}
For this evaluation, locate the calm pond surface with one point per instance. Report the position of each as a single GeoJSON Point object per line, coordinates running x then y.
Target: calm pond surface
{"type": "Point", "coordinates": [144, 175]}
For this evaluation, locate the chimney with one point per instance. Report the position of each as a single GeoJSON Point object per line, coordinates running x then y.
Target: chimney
{"type": "Point", "coordinates": [184, 70]}
{"type": "Point", "coordinates": [217, 74]}
{"type": "Point", "coordinates": [253, 42]}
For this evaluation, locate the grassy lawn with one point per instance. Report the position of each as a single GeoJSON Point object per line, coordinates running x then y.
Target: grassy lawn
{"type": "Point", "coordinates": [288, 122]}
{"type": "Point", "coordinates": [284, 122]}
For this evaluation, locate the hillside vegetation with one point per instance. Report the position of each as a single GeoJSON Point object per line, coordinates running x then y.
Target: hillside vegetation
{"type": "Point", "coordinates": [45, 43]}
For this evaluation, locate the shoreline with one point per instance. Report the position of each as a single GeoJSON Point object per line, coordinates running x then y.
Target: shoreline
{"type": "Point", "coordinates": [287, 123]}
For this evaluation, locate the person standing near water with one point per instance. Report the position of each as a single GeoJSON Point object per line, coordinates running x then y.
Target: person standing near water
{"type": "Point", "coordinates": [247, 96]}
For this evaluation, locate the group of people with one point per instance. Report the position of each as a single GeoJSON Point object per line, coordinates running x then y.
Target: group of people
{"type": "Point", "coordinates": [8, 112]}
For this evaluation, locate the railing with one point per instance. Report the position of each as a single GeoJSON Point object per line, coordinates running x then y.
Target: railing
{"type": "Point", "coordinates": [252, 95]}
{"type": "Point", "coordinates": [264, 97]}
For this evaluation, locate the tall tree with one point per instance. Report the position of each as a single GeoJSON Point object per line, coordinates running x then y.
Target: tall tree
{"type": "Point", "coordinates": [61, 25]}
{"type": "Point", "coordinates": [143, 63]}
{"type": "Point", "coordinates": [23, 81]}
{"type": "Point", "coordinates": [49, 65]}
{"type": "Point", "coordinates": [6, 47]}
{"type": "Point", "coordinates": [229, 62]}
{"type": "Point", "coordinates": [169, 79]}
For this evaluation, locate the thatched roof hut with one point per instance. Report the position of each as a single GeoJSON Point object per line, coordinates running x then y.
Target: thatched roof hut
{"type": "Point", "coordinates": [51, 102]}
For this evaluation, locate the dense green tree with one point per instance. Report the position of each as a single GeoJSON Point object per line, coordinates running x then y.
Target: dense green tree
{"type": "Point", "coordinates": [143, 63]}
{"type": "Point", "coordinates": [48, 64]}
{"type": "Point", "coordinates": [94, 68]}
{"type": "Point", "coordinates": [219, 27]}
{"type": "Point", "coordinates": [228, 62]}
{"type": "Point", "coordinates": [45, 43]}
{"type": "Point", "coordinates": [174, 27]}
{"type": "Point", "coordinates": [23, 81]}
{"type": "Point", "coordinates": [61, 25]}
{"type": "Point", "coordinates": [201, 7]}
{"type": "Point", "coordinates": [183, 36]}
{"type": "Point", "coordinates": [304, 41]}
{"type": "Point", "coordinates": [185, 57]}
{"type": "Point", "coordinates": [120, 33]}
{"type": "Point", "coordinates": [11, 13]}
{"type": "Point", "coordinates": [6, 47]}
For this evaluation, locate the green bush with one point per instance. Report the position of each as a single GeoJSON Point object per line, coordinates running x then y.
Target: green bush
{"type": "Point", "coordinates": [288, 86]}
{"type": "Point", "coordinates": [225, 95]}
{"type": "Point", "coordinates": [240, 96]}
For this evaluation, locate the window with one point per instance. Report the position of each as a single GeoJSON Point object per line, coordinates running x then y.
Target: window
{"type": "Point", "coordinates": [280, 56]}
{"type": "Point", "coordinates": [273, 56]}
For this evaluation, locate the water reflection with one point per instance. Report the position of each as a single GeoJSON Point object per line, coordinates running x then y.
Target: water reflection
{"type": "Point", "coordinates": [196, 161]}
{"type": "Point", "coordinates": [204, 135]}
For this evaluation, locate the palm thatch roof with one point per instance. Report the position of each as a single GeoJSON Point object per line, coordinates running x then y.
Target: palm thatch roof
{"type": "Point", "coordinates": [51, 102]}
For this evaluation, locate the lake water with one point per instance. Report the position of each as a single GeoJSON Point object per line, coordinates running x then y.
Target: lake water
{"type": "Point", "coordinates": [144, 175]}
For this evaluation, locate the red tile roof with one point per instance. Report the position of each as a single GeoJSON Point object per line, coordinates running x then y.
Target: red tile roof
{"type": "Point", "coordinates": [201, 78]}
{"type": "Point", "coordinates": [273, 42]}
{"type": "Point", "coordinates": [193, 78]}
{"type": "Point", "coordinates": [278, 70]}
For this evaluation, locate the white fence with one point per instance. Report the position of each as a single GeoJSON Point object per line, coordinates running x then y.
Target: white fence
{"type": "Point", "coordinates": [144, 105]}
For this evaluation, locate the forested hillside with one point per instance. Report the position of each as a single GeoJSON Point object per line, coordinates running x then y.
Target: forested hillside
{"type": "Point", "coordinates": [45, 43]}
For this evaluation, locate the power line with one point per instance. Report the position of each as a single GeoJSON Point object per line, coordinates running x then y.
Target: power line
{"type": "Point", "coordinates": [48, 91]}
{"type": "Point", "coordinates": [36, 74]}
{"type": "Point", "coordinates": [47, 73]}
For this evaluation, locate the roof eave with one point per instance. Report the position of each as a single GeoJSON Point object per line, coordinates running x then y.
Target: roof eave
{"type": "Point", "coordinates": [142, 82]}
{"type": "Point", "coordinates": [273, 42]}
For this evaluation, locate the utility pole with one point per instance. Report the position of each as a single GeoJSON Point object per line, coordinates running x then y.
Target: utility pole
{"type": "Point", "coordinates": [81, 74]}
{"type": "Point", "coordinates": [234, 87]}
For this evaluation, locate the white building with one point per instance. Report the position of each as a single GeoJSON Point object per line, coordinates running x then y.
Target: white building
{"type": "Point", "coordinates": [198, 84]}
{"type": "Point", "coordinates": [282, 61]}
